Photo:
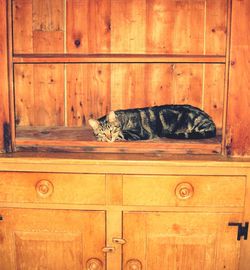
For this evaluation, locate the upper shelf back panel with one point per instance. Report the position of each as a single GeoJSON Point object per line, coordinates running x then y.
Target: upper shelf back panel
{"type": "Point", "coordinates": [196, 27]}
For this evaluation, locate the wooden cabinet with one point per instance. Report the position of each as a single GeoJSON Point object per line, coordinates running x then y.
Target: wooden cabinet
{"type": "Point", "coordinates": [131, 207]}
{"type": "Point", "coordinates": [123, 215]}
{"type": "Point", "coordinates": [69, 61]}
{"type": "Point", "coordinates": [51, 239]}
{"type": "Point", "coordinates": [160, 240]}
{"type": "Point", "coordinates": [142, 53]}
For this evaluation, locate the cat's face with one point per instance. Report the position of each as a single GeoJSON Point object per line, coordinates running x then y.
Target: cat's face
{"type": "Point", "coordinates": [108, 130]}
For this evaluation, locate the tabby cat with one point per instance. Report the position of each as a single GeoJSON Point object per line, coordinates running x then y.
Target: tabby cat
{"type": "Point", "coordinates": [170, 121]}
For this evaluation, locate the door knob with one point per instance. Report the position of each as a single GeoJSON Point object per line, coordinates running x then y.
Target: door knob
{"type": "Point", "coordinates": [133, 265]}
{"type": "Point", "coordinates": [94, 264]}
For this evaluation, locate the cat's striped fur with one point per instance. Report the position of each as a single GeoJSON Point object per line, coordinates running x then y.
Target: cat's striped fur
{"type": "Point", "coordinates": [170, 121]}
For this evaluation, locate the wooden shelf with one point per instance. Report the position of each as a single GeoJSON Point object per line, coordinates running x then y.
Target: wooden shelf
{"type": "Point", "coordinates": [117, 58]}
{"type": "Point", "coordinates": [64, 139]}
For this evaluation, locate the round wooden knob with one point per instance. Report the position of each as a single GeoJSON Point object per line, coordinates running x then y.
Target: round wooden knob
{"type": "Point", "coordinates": [94, 264]}
{"type": "Point", "coordinates": [44, 188]}
{"type": "Point", "coordinates": [184, 191]}
{"type": "Point", "coordinates": [133, 265]}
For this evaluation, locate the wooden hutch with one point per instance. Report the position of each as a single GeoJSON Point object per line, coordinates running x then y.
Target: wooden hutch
{"type": "Point", "coordinates": [70, 202]}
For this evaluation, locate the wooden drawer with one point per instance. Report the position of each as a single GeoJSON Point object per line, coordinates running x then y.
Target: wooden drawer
{"type": "Point", "coordinates": [218, 191]}
{"type": "Point", "coordinates": [52, 188]}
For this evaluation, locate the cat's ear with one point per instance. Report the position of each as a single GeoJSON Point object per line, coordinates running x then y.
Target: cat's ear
{"type": "Point", "coordinates": [94, 124]}
{"type": "Point", "coordinates": [111, 117]}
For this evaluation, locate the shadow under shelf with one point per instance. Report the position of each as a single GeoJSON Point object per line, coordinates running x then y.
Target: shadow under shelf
{"type": "Point", "coordinates": [78, 139]}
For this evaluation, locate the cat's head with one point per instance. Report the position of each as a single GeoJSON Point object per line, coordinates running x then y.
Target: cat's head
{"type": "Point", "coordinates": [108, 130]}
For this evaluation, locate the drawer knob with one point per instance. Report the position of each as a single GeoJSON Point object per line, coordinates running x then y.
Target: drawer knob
{"type": "Point", "coordinates": [184, 191]}
{"type": "Point", "coordinates": [94, 264]}
{"type": "Point", "coordinates": [44, 188]}
{"type": "Point", "coordinates": [133, 265]}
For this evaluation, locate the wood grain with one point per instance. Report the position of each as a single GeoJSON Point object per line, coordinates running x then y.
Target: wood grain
{"type": "Point", "coordinates": [117, 58]}
{"type": "Point", "coordinates": [180, 22]}
{"type": "Point", "coordinates": [38, 26]}
{"type": "Point", "coordinates": [177, 237]}
{"type": "Point", "coordinates": [82, 140]}
{"type": "Point", "coordinates": [21, 187]}
{"type": "Point", "coordinates": [140, 85]}
{"type": "Point", "coordinates": [161, 190]}
{"type": "Point", "coordinates": [88, 26]}
{"type": "Point", "coordinates": [216, 27]}
{"type": "Point", "coordinates": [134, 26]}
{"type": "Point", "coordinates": [22, 26]}
{"type": "Point", "coordinates": [128, 26]}
{"type": "Point", "coordinates": [213, 93]}
{"type": "Point", "coordinates": [38, 242]}
{"type": "Point", "coordinates": [39, 94]}
{"type": "Point", "coordinates": [88, 92]}
{"type": "Point", "coordinates": [238, 139]}
{"type": "Point", "coordinates": [4, 85]}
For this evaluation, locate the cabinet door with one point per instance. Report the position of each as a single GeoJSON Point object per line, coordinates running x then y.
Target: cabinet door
{"type": "Point", "coordinates": [51, 239]}
{"type": "Point", "coordinates": [183, 241]}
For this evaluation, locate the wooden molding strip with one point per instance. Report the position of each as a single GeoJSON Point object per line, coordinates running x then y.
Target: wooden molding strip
{"type": "Point", "coordinates": [117, 58]}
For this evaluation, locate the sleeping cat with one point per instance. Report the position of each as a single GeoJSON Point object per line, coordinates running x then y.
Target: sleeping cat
{"type": "Point", "coordinates": [170, 121]}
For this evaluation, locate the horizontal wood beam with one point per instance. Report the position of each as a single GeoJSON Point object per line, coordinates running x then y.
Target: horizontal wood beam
{"type": "Point", "coordinates": [117, 58]}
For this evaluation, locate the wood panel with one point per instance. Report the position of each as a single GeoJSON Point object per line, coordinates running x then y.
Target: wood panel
{"type": "Point", "coordinates": [94, 89]}
{"type": "Point", "coordinates": [38, 26]}
{"type": "Point", "coordinates": [62, 188]}
{"type": "Point", "coordinates": [88, 26]}
{"type": "Point", "coordinates": [181, 23]}
{"type": "Point", "coordinates": [178, 238]}
{"type": "Point", "coordinates": [178, 27]}
{"type": "Point", "coordinates": [238, 121]}
{"type": "Point", "coordinates": [205, 191]}
{"type": "Point", "coordinates": [213, 93]}
{"type": "Point", "coordinates": [216, 27]}
{"type": "Point", "coordinates": [22, 26]}
{"type": "Point", "coordinates": [51, 239]}
{"type": "Point", "coordinates": [88, 92]}
{"type": "Point", "coordinates": [39, 94]}
{"type": "Point", "coordinates": [128, 26]}
{"type": "Point", "coordinates": [117, 26]}
{"type": "Point", "coordinates": [4, 87]}
{"type": "Point", "coordinates": [139, 85]}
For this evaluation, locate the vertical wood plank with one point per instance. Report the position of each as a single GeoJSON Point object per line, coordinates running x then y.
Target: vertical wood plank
{"type": "Point", "coordinates": [48, 15]}
{"type": "Point", "coordinates": [49, 95]}
{"type": "Point", "coordinates": [4, 88]}
{"type": "Point", "coordinates": [114, 229]}
{"type": "Point", "coordinates": [213, 92]}
{"type": "Point", "coordinates": [175, 26]}
{"type": "Point", "coordinates": [127, 90]}
{"type": "Point", "coordinates": [159, 84]}
{"type": "Point", "coordinates": [188, 84]}
{"type": "Point", "coordinates": [48, 42]}
{"type": "Point", "coordinates": [88, 26]}
{"type": "Point", "coordinates": [245, 245]}
{"type": "Point", "coordinates": [39, 94]}
{"type": "Point", "coordinates": [22, 26]}
{"type": "Point", "coordinates": [238, 121]}
{"type": "Point", "coordinates": [128, 20]}
{"type": "Point", "coordinates": [216, 27]}
{"type": "Point", "coordinates": [88, 92]}
{"type": "Point", "coordinates": [139, 85]}
{"type": "Point", "coordinates": [77, 26]}
{"type": "Point", "coordinates": [114, 189]}
{"type": "Point", "coordinates": [24, 97]}
{"type": "Point", "coordinates": [48, 26]}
